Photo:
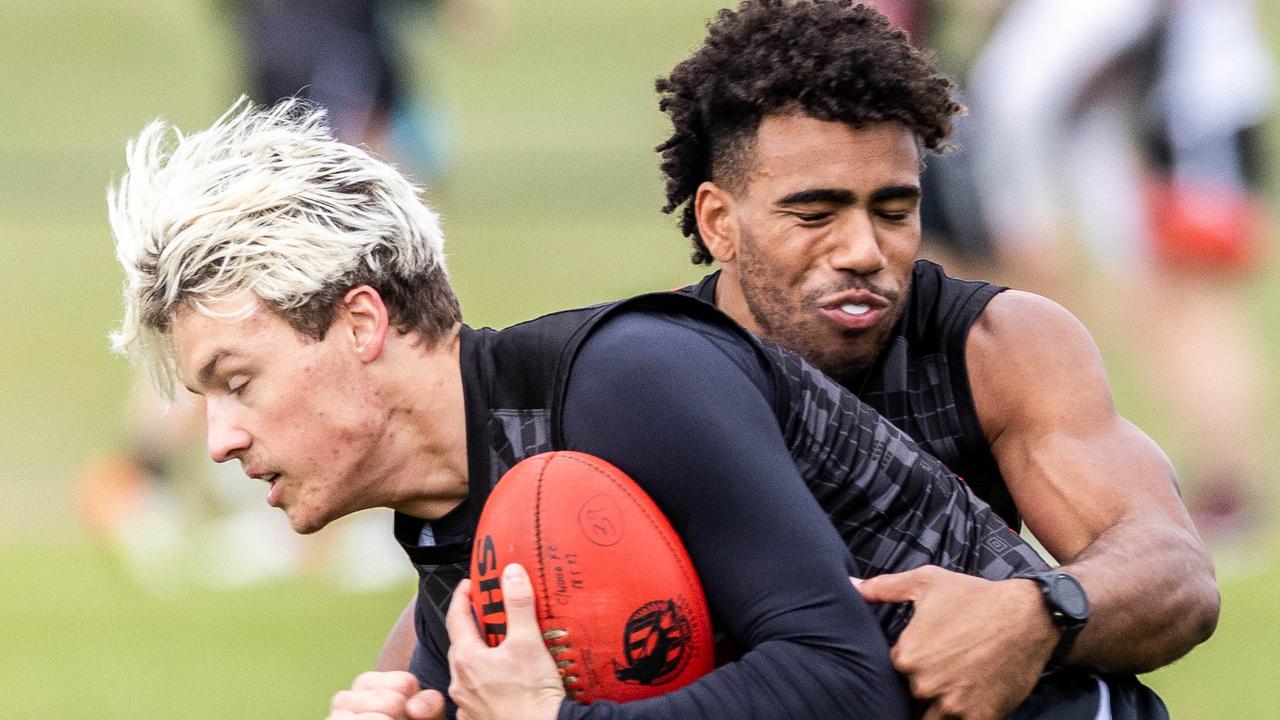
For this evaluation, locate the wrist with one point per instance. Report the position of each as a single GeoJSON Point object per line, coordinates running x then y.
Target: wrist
{"type": "Point", "coordinates": [1037, 626]}
{"type": "Point", "coordinates": [1065, 605]}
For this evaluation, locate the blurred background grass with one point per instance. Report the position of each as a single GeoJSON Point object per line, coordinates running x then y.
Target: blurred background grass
{"type": "Point", "coordinates": [553, 202]}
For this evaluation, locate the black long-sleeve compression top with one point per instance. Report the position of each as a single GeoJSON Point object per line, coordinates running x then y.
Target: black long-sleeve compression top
{"type": "Point", "coordinates": [685, 408]}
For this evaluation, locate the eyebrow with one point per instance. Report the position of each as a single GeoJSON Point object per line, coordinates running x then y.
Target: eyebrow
{"type": "Point", "coordinates": [820, 195]}
{"type": "Point", "coordinates": [841, 196]}
{"type": "Point", "coordinates": [896, 192]}
{"type": "Point", "coordinates": [206, 373]}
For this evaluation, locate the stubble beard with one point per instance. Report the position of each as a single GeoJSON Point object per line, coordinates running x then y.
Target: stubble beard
{"type": "Point", "coordinates": [842, 355]}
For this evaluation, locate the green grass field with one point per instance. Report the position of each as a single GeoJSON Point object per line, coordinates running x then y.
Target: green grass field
{"type": "Point", "coordinates": [554, 202]}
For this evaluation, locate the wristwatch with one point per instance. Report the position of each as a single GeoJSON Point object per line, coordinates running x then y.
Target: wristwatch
{"type": "Point", "coordinates": [1068, 607]}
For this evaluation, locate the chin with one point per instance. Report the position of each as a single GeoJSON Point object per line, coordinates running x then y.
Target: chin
{"type": "Point", "coordinates": [303, 524]}
{"type": "Point", "coordinates": [844, 366]}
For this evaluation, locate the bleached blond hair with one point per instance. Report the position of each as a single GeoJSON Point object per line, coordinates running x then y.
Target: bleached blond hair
{"type": "Point", "coordinates": [266, 200]}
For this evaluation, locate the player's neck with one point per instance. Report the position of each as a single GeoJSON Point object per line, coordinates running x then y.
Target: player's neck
{"type": "Point", "coordinates": [426, 470]}
{"type": "Point", "coordinates": [732, 302]}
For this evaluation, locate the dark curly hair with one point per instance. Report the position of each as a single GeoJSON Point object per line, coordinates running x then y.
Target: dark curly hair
{"type": "Point", "coordinates": [830, 59]}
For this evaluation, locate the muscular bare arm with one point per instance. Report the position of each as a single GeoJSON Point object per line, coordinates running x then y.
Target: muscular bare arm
{"type": "Point", "coordinates": [1092, 487]}
{"type": "Point", "coordinates": [1099, 495]}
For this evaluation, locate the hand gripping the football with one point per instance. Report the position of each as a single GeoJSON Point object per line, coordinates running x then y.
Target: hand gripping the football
{"type": "Point", "coordinates": [518, 679]}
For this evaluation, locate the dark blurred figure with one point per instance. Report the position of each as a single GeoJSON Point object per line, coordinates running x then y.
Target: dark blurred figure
{"type": "Point", "coordinates": [346, 56]}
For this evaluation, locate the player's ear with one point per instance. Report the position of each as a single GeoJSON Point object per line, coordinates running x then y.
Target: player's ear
{"type": "Point", "coordinates": [717, 224]}
{"type": "Point", "coordinates": [363, 317]}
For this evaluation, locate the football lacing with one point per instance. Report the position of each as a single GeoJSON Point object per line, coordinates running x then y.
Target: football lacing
{"type": "Point", "coordinates": [558, 644]}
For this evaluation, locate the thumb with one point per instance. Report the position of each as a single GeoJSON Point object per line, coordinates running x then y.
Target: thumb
{"type": "Point", "coordinates": [426, 705]}
{"type": "Point", "coordinates": [522, 610]}
{"type": "Point", "coordinates": [894, 587]}
{"type": "Point", "coordinates": [459, 620]}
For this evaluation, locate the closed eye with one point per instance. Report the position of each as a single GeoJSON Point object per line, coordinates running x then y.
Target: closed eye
{"type": "Point", "coordinates": [813, 217]}
{"type": "Point", "coordinates": [896, 216]}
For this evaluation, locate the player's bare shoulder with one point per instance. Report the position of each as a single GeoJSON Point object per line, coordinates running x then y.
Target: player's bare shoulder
{"type": "Point", "coordinates": [1029, 358]}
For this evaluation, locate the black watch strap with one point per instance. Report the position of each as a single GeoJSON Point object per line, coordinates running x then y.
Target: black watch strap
{"type": "Point", "coordinates": [1068, 607]}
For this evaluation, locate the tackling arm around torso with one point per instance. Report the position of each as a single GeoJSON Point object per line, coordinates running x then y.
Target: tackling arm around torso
{"type": "Point", "coordinates": [1091, 486]}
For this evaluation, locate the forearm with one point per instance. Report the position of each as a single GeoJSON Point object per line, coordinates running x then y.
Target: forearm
{"type": "Point", "coordinates": [1094, 488]}
{"type": "Point", "coordinates": [1153, 597]}
{"type": "Point", "coordinates": [397, 649]}
{"type": "Point", "coordinates": [748, 688]}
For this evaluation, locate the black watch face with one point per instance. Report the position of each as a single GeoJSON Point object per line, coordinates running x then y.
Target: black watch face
{"type": "Point", "coordinates": [1070, 597]}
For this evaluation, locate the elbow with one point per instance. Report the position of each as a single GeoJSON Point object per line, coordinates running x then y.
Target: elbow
{"type": "Point", "coordinates": [1203, 601]}
{"type": "Point", "coordinates": [888, 698]}
{"type": "Point", "coordinates": [866, 685]}
{"type": "Point", "coordinates": [1200, 620]}
{"type": "Point", "coordinates": [1206, 607]}
{"type": "Point", "coordinates": [1199, 609]}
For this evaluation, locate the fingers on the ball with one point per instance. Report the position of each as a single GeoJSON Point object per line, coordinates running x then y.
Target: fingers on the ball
{"type": "Point", "coordinates": [402, 682]}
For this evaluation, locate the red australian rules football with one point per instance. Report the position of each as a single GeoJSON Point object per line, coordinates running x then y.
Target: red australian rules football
{"type": "Point", "coordinates": [618, 601]}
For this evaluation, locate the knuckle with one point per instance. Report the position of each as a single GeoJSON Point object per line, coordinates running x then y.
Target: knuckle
{"type": "Point", "coordinates": [404, 682]}
{"type": "Point", "coordinates": [519, 601]}
{"type": "Point", "coordinates": [366, 679]}
{"type": "Point", "coordinates": [386, 699]}
{"type": "Point", "coordinates": [903, 659]}
{"type": "Point", "coordinates": [950, 706]}
{"type": "Point", "coordinates": [339, 700]}
{"type": "Point", "coordinates": [920, 689]}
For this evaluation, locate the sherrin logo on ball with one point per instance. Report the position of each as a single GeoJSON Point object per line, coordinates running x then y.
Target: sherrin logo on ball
{"type": "Point", "coordinates": [621, 608]}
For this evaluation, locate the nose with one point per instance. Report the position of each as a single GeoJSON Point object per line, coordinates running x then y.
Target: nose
{"type": "Point", "coordinates": [856, 247]}
{"type": "Point", "coordinates": [227, 439]}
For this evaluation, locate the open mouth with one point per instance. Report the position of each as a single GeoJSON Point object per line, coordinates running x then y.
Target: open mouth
{"type": "Point", "coordinates": [273, 495]}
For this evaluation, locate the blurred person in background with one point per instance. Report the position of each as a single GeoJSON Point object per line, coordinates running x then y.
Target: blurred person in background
{"type": "Point", "coordinates": [347, 57]}
{"type": "Point", "coordinates": [1133, 125]}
